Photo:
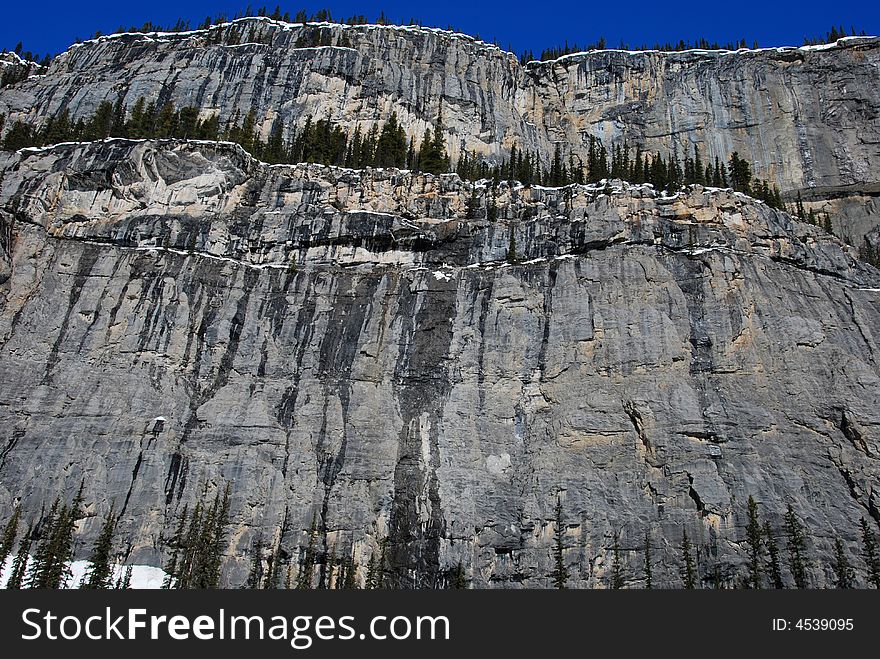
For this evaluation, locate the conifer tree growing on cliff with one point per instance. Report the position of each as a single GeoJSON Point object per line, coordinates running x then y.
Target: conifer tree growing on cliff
{"type": "Point", "coordinates": [649, 576]}
{"type": "Point", "coordinates": [754, 541]}
{"type": "Point", "coordinates": [457, 579]}
{"type": "Point", "coordinates": [307, 564]}
{"type": "Point", "coordinates": [198, 545]}
{"type": "Point", "coordinates": [51, 568]}
{"type": "Point", "coordinates": [796, 545]}
{"type": "Point", "coordinates": [870, 553]}
{"type": "Point", "coordinates": [20, 563]}
{"type": "Point", "coordinates": [511, 246]}
{"type": "Point", "coordinates": [10, 533]}
{"type": "Point", "coordinates": [432, 156]}
{"type": "Point", "coordinates": [740, 173]}
{"type": "Point", "coordinates": [255, 576]}
{"type": "Point", "coordinates": [843, 572]}
{"type": "Point", "coordinates": [560, 572]}
{"type": "Point", "coordinates": [350, 578]}
{"type": "Point", "coordinates": [99, 573]}
{"type": "Point", "coordinates": [617, 580]}
{"type": "Point", "coordinates": [171, 569]}
{"type": "Point", "coordinates": [773, 569]}
{"type": "Point", "coordinates": [123, 581]}
{"type": "Point", "coordinates": [472, 209]}
{"type": "Point", "coordinates": [827, 225]}
{"type": "Point", "coordinates": [370, 581]}
{"type": "Point", "coordinates": [688, 565]}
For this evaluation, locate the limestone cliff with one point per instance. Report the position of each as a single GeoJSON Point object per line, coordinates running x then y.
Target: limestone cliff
{"type": "Point", "coordinates": [367, 348]}
{"type": "Point", "coordinates": [806, 117]}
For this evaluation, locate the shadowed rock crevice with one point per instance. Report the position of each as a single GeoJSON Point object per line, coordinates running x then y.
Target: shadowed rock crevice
{"type": "Point", "coordinates": [416, 523]}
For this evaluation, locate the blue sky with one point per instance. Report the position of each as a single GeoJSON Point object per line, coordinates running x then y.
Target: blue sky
{"type": "Point", "coordinates": [51, 26]}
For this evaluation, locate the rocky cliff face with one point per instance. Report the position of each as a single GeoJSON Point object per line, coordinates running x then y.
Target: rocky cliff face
{"type": "Point", "coordinates": [368, 350]}
{"type": "Point", "coordinates": [806, 117]}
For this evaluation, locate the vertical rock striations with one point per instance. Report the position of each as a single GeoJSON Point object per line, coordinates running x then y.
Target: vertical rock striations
{"type": "Point", "coordinates": [351, 347]}
{"type": "Point", "coordinates": [806, 117]}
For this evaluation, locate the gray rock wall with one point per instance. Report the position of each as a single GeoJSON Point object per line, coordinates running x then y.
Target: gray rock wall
{"type": "Point", "coordinates": [806, 117]}
{"type": "Point", "coordinates": [350, 347]}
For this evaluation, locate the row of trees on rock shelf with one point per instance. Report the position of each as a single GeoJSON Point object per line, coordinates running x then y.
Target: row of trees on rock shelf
{"type": "Point", "coordinates": [42, 555]}
{"type": "Point", "coordinates": [556, 52]}
{"type": "Point", "coordinates": [869, 253]}
{"type": "Point", "coordinates": [769, 564]}
{"type": "Point", "coordinates": [232, 35]}
{"type": "Point", "coordinates": [322, 141]}
{"type": "Point", "coordinates": [326, 16]}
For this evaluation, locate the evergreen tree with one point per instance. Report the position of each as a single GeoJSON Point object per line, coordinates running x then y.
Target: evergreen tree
{"type": "Point", "coordinates": [99, 573]}
{"type": "Point", "coordinates": [773, 568]}
{"type": "Point", "coordinates": [699, 177]}
{"type": "Point", "coordinates": [19, 569]}
{"type": "Point", "coordinates": [273, 569]}
{"type": "Point", "coordinates": [123, 582]}
{"type": "Point", "coordinates": [457, 579]}
{"type": "Point", "coordinates": [796, 545]}
{"type": "Point", "coordinates": [473, 206]}
{"type": "Point", "coordinates": [740, 173]}
{"type": "Point", "coordinates": [371, 572]}
{"type": "Point", "coordinates": [188, 566]}
{"type": "Point", "coordinates": [649, 576]}
{"type": "Point", "coordinates": [117, 122]}
{"type": "Point", "coordinates": [799, 208]}
{"type": "Point", "coordinates": [432, 155]}
{"type": "Point", "coordinates": [99, 127]}
{"type": "Point", "coordinates": [754, 541]}
{"type": "Point", "coordinates": [247, 131]}
{"type": "Point", "coordinates": [556, 177]}
{"type": "Point", "coordinates": [350, 578]}
{"type": "Point", "coordinates": [560, 573]}
{"type": "Point", "coordinates": [176, 542]}
{"type": "Point", "coordinates": [42, 554]}
{"type": "Point", "coordinates": [720, 180]}
{"type": "Point", "coordinates": [19, 136]}
{"type": "Point", "coordinates": [688, 567]}
{"type": "Point", "coordinates": [216, 537]}
{"type": "Point", "coordinates": [869, 254]}
{"type": "Point", "coordinates": [185, 123]}
{"type": "Point", "coordinates": [198, 552]}
{"type": "Point", "coordinates": [166, 121]}
{"type": "Point", "coordinates": [411, 155]}
{"type": "Point", "coordinates": [843, 573]}
{"type": "Point", "coordinates": [10, 533]}
{"type": "Point", "coordinates": [391, 145]}
{"type": "Point", "coordinates": [255, 576]}
{"type": "Point", "coordinates": [870, 553]}
{"type": "Point", "coordinates": [307, 564]}
{"type": "Point", "coordinates": [826, 224]}
{"type": "Point", "coordinates": [135, 127]}
{"type": "Point", "coordinates": [58, 129]}
{"type": "Point", "coordinates": [617, 579]}
{"type": "Point", "coordinates": [55, 549]}
{"type": "Point", "coordinates": [492, 208]}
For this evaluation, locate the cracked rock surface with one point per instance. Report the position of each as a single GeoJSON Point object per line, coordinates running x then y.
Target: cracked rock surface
{"type": "Point", "coordinates": [349, 345]}
{"type": "Point", "coordinates": [807, 118]}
